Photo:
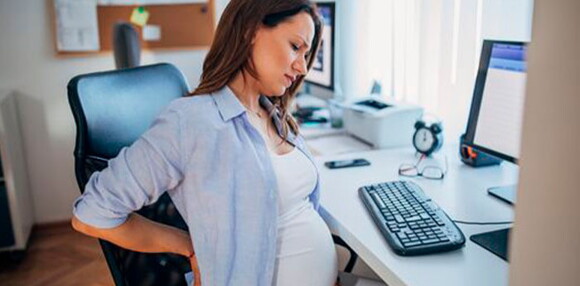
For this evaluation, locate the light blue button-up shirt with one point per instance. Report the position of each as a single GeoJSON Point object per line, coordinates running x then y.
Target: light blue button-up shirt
{"type": "Point", "coordinates": [216, 168]}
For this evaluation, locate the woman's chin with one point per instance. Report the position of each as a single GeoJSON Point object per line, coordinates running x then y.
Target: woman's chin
{"type": "Point", "coordinates": [277, 91]}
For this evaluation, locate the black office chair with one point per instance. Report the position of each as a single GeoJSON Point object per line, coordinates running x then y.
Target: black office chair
{"type": "Point", "coordinates": [126, 46]}
{"type": "Point", "coordinates": [111, 110]}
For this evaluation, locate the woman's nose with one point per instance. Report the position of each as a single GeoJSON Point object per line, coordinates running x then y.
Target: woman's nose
{"type": "Point", "coordinates": [300, 65]}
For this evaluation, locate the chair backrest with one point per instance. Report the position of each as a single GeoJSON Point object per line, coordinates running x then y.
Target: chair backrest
{"type": "Point", "coordinates": [126, 46]}
{"type": "Point", "coordinates": [111, 110]}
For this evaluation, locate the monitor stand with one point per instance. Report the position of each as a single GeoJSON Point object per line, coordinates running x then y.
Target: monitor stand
{"type": "Point", "coordinates": [497, 241]}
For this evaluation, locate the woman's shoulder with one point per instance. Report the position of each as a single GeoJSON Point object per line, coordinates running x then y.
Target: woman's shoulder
{"type": "Point", "coordinates": [194, 108]}
{"type": "Point", "coordinates": [189, 103]}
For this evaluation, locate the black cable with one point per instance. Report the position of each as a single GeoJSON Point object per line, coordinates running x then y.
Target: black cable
{"type": "Point", "coordinates": [483, 223]}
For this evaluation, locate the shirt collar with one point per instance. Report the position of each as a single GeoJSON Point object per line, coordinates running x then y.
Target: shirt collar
{"type": "Point", "coordinates": [227, 103]}
{"type": "Point", "coordinates": [229, 107]}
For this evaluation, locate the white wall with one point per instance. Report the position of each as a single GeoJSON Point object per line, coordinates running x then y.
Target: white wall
{"type": "Point", "coordinates": [28, 65]}
{"type": "Point", "coordinates": [451, 50]}
{"type": "Point", "coordinates": [545, 248]}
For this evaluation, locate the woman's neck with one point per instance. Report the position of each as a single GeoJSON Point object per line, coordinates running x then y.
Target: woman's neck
{"type": "Point", "coordinates": [246, 92]}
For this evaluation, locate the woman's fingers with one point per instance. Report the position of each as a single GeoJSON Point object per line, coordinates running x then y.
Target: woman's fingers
{"type": "Point", "coordinates": [195, 269]}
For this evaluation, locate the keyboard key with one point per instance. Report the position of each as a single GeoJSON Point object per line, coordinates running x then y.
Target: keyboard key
{"type": "Point", "coordinates": [414, 226]}
{"type": "Point", "coordinates": [425, 216]}
{"type": "Point", "coordinates": [428, 241]}
{"type": "Point", "coordinates": [413, 218]}
{"type": "Point", "coordinates": [399, 218]}
{"type": "Point", "coordinates": [378, 201]}
{"type": "Point", "coordinates": [412, 243]}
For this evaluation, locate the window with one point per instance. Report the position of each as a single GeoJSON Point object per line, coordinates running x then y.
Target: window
{"type": "Point", "coordinates": [427, 51]}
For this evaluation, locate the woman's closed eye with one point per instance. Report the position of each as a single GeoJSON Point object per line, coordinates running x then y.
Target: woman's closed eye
{"type": "Point", "coordinates": [295, 47]}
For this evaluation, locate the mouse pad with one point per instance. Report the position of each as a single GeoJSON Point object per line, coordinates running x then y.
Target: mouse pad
{"type": "Point", "coordinates": [494, 241]}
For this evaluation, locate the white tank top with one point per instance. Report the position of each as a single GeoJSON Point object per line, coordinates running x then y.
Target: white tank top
{"type": "Point", "coordinates": [296, 178]}
{"type": "Point", "coordinates": [305, 251]}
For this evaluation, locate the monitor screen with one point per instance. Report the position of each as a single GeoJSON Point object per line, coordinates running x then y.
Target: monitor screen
{"type": "Point", "coordinates": [495, 120]}
{"type": "Point", "coordinates": [322, 71]}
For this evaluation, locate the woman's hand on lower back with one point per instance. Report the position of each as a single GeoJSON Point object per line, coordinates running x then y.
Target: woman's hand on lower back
{"type": "Point", "coordinates": [195, 270]}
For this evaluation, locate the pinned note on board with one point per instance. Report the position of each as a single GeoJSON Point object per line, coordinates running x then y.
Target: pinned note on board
{"type": "Point", "coordinates": [139, 16]}
{"type": "Point", "coordinates": [151, 33]}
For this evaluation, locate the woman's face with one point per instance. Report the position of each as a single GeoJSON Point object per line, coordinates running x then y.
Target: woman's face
{"type": "Point", "coordinates": [279, 53]}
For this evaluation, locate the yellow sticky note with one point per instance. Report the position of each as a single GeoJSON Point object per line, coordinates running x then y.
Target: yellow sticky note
{"type": "Point", "coordinates": [139, 16]}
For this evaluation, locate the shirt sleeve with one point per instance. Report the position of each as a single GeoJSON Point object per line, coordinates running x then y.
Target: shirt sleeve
{"type": "Point", "coordinates": [137, 177]}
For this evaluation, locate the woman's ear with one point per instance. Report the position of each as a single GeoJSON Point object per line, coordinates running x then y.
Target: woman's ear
{"type": "Point", "coordinates": [257, 33]}
{"type": "Point", "coordinates": [253, 41]}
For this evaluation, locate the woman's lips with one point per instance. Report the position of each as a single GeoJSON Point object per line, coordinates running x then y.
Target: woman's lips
{"type": "Point", "coordinates": [289, 80]}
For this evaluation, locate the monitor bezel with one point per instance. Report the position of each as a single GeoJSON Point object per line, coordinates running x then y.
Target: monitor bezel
{"type": "Point", "coordinates": [332, 7]}
{"type": "Point", "coordinates": [478, 95]}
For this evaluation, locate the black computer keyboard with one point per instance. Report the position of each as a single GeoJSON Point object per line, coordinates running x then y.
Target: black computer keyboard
{"type": "Point", "coordinates": [409, 220]}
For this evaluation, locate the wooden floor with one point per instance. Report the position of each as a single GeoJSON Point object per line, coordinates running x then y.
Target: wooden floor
{"type": "Point", "coordinates": [57, 255]}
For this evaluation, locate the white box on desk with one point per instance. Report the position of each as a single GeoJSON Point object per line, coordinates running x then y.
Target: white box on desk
{"type": "Point", "coordinates": [382, 123]}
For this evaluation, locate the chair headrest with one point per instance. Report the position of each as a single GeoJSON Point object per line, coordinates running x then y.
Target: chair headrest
{"type": "Point", "coordinates": [112, 109]}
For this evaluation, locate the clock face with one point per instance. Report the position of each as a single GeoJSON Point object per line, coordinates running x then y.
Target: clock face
{"type": "Point", "coordinates": [423, 140]}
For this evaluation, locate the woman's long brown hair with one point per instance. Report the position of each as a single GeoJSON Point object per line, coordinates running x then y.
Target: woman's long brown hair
{"type": "Point", "coordinates": [231, 50]}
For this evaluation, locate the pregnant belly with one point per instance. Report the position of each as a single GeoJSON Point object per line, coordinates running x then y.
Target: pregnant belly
{"type": "Point", "coordinates": [306, 253]}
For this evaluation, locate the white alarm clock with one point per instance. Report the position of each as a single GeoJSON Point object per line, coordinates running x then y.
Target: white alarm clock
{"type": "Point", "coordinates": [427, 138]}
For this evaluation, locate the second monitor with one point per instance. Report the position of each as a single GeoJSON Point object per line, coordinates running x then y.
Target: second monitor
{"type": "Point", "coordinates": [320, 79]}
{"type": "Point", "coordinates": [495, 119]}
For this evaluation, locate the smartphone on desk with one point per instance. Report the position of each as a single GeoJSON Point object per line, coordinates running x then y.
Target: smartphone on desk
{"type": "Point", "coordinates": [346, 163]}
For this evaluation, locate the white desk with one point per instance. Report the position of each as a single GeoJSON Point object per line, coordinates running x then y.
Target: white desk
{"type": "Point", "coordinates": [462, 194]}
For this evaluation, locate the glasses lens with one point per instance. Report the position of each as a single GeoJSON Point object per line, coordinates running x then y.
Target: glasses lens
{"type": "Point", "coordinates": [408, 170]}
{"type": "Point", "coordinates": [432, 172]}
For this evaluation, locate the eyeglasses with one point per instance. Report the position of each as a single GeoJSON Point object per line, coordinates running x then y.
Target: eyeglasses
{"type": "Point", "coordinates": [432, 172]}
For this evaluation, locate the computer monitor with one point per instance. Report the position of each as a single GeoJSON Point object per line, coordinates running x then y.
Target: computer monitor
{"type": "Point", "coordinates": [495, 119]}
{"type": "Point", "coordinates": [322, 72]}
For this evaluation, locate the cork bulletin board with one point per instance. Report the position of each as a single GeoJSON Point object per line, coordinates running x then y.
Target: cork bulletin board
{"type": "Point", "coordinates": [181, 25]}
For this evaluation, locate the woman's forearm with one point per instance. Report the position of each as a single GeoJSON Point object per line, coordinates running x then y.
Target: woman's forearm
{"type": "Point", "coordinates": [141, 234]}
